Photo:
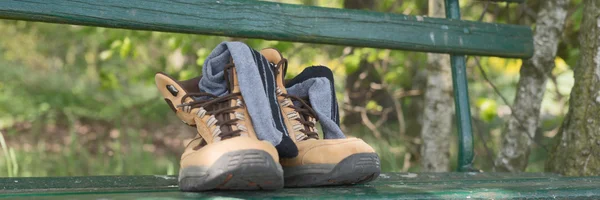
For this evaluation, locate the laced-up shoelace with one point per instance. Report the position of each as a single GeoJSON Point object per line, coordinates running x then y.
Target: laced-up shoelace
{"type": "Point", "coordinates": [301, 113]}
{"type": "Point", "coordinates": [215, 101]}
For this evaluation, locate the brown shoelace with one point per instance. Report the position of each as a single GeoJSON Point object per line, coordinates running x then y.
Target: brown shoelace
{"type": "Point", "coordinates": [304, 110]}
{"type": "Point", "coordinates": [218, 112]}
{"type": "Point", "coordinates": [214, 101]}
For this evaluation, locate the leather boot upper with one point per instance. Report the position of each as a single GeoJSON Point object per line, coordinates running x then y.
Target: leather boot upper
{"type": "Point", "coordinates": [301, 120]}
{"type": "Point", "coordinates": [223, 123]}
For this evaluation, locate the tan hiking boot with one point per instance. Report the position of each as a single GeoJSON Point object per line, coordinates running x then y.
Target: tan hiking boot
{"type": "Point", "coordinates": [226, 153]}
{"type": "Point", "coordinates": [319, 161]}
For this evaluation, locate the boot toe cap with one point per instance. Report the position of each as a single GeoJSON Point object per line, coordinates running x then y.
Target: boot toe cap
{"type": "Point", "coordinates": [210, 153]}
{"type": "Point", "coordinates": [333, 151]}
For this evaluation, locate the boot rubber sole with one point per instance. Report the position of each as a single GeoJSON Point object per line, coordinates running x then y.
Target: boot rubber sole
{"type": "Point", "coordinates": [238, 170]}
{"type": "Point", "coordinates": [354, 169]}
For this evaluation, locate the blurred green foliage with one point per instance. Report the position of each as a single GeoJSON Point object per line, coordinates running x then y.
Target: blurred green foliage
{"type": "Point", "coordinates": [80, 100]}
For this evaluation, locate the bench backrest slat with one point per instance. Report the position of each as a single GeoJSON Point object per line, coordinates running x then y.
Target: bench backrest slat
{"type": "Point", "coordinates": [276, 21]}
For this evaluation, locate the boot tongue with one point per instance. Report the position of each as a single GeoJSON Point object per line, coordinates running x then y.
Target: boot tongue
{"type": "Point", "coordinates": [231, 79]}
{"type": "Point", "coordinates": [281, 71]}
{"type": "Point", "coordinates": [274, 57]}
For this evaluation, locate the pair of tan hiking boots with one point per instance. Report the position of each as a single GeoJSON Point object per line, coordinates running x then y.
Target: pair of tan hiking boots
{"type": "Point", "coordinates": [226, 153]}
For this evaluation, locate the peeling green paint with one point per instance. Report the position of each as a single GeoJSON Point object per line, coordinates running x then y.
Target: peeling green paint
{"type": "Point", "coordinates": [285, 22]}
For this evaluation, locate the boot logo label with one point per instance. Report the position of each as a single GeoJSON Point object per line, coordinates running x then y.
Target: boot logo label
{"type": "Point", "coordinates": [172, 90]}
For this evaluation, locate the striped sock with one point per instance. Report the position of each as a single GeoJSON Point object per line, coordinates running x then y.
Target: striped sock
{"type": "Point", "coordinates": [286, 148]}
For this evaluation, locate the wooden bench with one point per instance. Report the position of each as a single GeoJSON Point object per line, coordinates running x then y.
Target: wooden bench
{"type": "Point", "coordinates": [455, 185]}
{"type": "Point", "coordinates": [276, 21]}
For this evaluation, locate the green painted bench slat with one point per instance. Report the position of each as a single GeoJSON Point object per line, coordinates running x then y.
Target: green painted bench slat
{"type": "Point", "coordinates": [277, 21]}
{"type": "Point", "coordinates": [389, 185]}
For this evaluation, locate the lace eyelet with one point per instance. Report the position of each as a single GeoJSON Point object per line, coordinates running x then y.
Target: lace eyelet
{"type": "Point", "coordinates": [201, 112]}
{"type": "Point", "coordinates": [241, 127]}
{"type": "Point", "coordinates": [240, 116]}
{"type": "Point", "coordinates": [216, 131]}
{"type": "Point", "coordinates": [300, 136]}
{"type": "Point", "coordinates": [211, 121]}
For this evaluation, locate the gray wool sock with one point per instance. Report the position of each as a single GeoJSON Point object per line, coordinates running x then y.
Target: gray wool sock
{"type": "Point", "coordinates": [319, 92]}
{"type": "Point", "coordinates": [257, 84]}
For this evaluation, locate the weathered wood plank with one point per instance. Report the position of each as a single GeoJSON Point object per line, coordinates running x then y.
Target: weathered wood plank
{"type": "Point", "coordinates": [87, 183]}
{"type": "Point", "coordinates": [160, 182]}
{"type": "Point", "coordinates": [387, 186]}
{"type": "Point", "coordinates": [276, 21]}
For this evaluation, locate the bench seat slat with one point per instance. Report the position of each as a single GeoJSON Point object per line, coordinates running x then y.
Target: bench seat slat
{"type": "Point", "coordinates": [286, 22]}
{"type": "Point", "coordinates": [388, 185]}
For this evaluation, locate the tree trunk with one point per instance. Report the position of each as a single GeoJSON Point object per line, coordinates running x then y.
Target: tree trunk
{"type": "Point", "coordinates": [578, 151]}
{"type": "Point", "coordinates": [438, 107]}
{"type": "Point", "coordinates": [522, 125]}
